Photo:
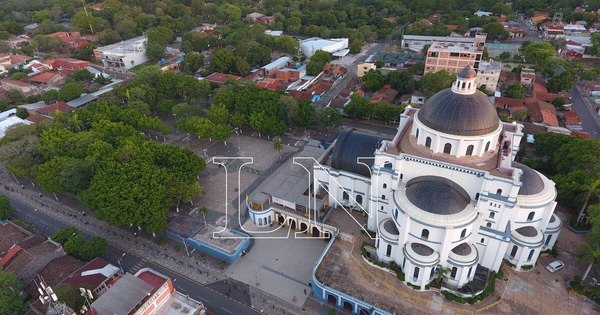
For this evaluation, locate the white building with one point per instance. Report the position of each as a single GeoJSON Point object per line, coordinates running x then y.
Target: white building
{"type": "Point", "coordinates": [488, 75]}
{"type": "Point", "coordinates": [446, 191]}
{"type": "Point", "coordinates": [311, 45]}
{"type": "Point", "coordinates": [8, 119]}
{"type": "Point", "coordinates": [123, 55]}
{"type": "Point", "coordinates": [418, 42]}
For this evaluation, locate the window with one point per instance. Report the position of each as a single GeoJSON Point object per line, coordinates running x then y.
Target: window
{"type": "Point", "coordinates": [403, 263]}
{"type": "Point", "coordinates": [499, 191]}
{"type": "Point", "coordinates": [395, 213]}
{"type": "Point", "coordinates": [381, 208]}
{"type": "Point", "coordinates": [345, 196]}
{"type": "Point", "coordinates": [463, 233]}
{"type": "Point", "coordinates": [530, 254]}
{"type": "Point", "coordinates": [447, 148]}
{"type": "Point", "coordinates": [382, 197]}
{"type": "Point", "coordinates": [470, 150]}
{"type": "Point", "coordinates": [359, 199]}
{"type": "Point", "coordinates": [477, 196]}
{"type": "Point", "coordinates": [548, 240]}
{"type": "Point", "coordinates": [384, 186]}
{"type": "Point", "coordinates": [513, 252]}
{"type": "Point", "coordinates": [482, 240]}
{"type": "Point", "coordinates": [260, 222]}
{"type": "Point", "coordinates": [417, 134]}
{"type": "Point", "coordinates": [453, 272]}
{"type": "Point", "coordinates": [428, 142]}
{"type": "Point", "coordinates": [425, 234]}
{"type": "Point", "coordinates": [463, 85]}
{"type": "Point", "coordinates": [492, 214]}
{"type": "Point", "coordinates": [530, 216]}
{"type": "Point", "coordinates": [270, 220]}
{"type": "Point", "coordinates": [432, 273]}
{"type": "Point", "coordinates": [388, 252]}
{"type": "Point", "coordinates": [487, 146]}
{"type": "Point", "coordinates": [489, 224]}
{"type": "Point", "coordinates": [387, 164]}
{"type": "Point", "coordinates": [416, 273]}
{"type": "Point", "coordinates": [469, 273]}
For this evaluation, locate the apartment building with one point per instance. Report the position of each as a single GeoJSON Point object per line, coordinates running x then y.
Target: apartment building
{"type": "Point", "coordinates": [488, 75]}
{"type": "Point", "coordinates": [453, 56]}
{"type": "Point", "coordinates": [123, 55]}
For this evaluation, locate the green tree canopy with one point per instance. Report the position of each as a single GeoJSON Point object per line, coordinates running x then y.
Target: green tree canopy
{"type": "Point", "coordinates": [515, 91]}
{"type": "Point", "coordinates": [70, 91]}
{"type": "Point", "coordinates": [372, 81]}
{"type": "Point", "coordinates": [432, 83]}
{"type": "Point", "coordinates": [5, 208]}
{"type": "Point", "coordinates": [317, 61]}
{"type": "Point", "coordinates": [359, 107]}
{"type": "Point", "coordinates": [11, 302]}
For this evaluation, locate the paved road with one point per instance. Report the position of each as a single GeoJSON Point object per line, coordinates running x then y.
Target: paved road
{"type": "Point", "coordinates": [216, 302]}
{"type": "Point", "coordinates": [589, 119]}
{"type": "Point", "coordinates": [340, 84]}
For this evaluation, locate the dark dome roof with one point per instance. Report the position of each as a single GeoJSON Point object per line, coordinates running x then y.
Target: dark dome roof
{"type": "Point", "coordinates": [462, 249]}
{"type": "Point", "coordinates": [528, 231]}
{"type": "Point", "coordinates": [390, 227]}
{"type": "Point", "coordinates": [350, 145]}
{"type": "Point", "coordinates": [437, 195]}
{"type": "Point", "coordinates": [532, 183]}
{"type": "Point", "coordinates": [467, 73]}
{"type": "Point", "coordinates": [421, 249]}
{"type": "Point", "coordinates": [460, 114]}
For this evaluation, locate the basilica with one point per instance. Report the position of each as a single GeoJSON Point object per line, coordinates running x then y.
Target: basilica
{"type": "Point", "coordinates": [446, 191]}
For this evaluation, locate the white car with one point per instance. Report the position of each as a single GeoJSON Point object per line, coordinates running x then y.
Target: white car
{"type": "Point", "coordinates": [555, 266]}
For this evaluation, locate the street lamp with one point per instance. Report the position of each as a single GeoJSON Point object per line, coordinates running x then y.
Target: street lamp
{"type": "Point", "coordinates": [119, 262]}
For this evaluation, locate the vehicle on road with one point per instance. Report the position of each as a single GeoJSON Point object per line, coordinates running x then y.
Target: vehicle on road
{"type": "Point", "coordinates": [555, 266]}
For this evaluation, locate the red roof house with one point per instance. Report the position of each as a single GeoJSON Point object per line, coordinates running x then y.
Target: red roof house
{"type": "Point", "coordinates": [221, 78]}
{"type": "Point", "coordinates": [69, 64]}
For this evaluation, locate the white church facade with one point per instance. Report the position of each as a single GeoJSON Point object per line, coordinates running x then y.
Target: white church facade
{"type": "Point", "coordinates": [446, 190]}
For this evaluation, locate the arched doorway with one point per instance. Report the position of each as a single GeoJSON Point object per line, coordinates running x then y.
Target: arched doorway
{"type": "Point", "coordinates": [331, 300]}
{"type": "Point", "coordinates": [280, 219]}
{"type": "Point", "coordinates": [316, 232]}
{"type": "Point", "coordinates": [348, 306]}
{"type": "Point", "coordinates": [292, 224]}
{"type": "Point", "coordinates": [303, 227]}
{"type": "Point", "coordinates": [327, 236]}
{"type": "Point", "coordinates": [363, 312]}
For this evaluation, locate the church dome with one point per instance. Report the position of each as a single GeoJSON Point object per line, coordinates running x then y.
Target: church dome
{"type": "Point", "coordinates": [461, 110]}
{"type": "Point", "coordinates": [437, 195]}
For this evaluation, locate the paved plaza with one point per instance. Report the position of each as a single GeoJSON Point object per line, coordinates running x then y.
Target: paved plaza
{"type": "Point", "coordinates": [281, 267]}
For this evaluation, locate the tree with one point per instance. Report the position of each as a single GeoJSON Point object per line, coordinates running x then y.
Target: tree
{"type": "Point", "coordinates": [358, 107]}
{"type": "Point", "coordinates": [595, 49]}
{"type": "Point", "coordinates": [192, 62]}
{"type": "Point", "coordinates": [561, 82]}
{"type": "Point", "coordinates": [5, 208]}
{"type": "Point", "coordinates": [328, 117]}
{"type": "Point", "coordinates": [372, 81]}
{"type": "Point", "coordinates": [82, 75]}
{"type": "Point", "coordinates": [432, 83]}
{"type": "Point", "coordinates": [127, 28]}
{"type": "Point", "coordinates": [70, 91]}
{"type": "Point", "coordinates": [356, 46]}
{"type": "Point", "coordinates": [218, 114]}
{"type": "Point", "coordinates": [11, 302]}
{"type": "Point", "coordinates": [386, 111]}
{"type": "Point", "coordinates": [22, 113]}
{"type": "Point", "coordinates": [230, 12]}
{"type": "Point", "coordinates": [18, 76]}
{"type": "Point", "coordinates": [92, 248]}
{"type": "Point", "coordinates": [515, 91]}
{"type": "Point", "coordinates": [69, 295]}
{"type": "Point", "coordinates": [590, 254]}
{"type": "Point", "coordinates": [277, 145]}
{"type": "Point", "coordinates": [317, 61]}
{"type": "Point", "coordinates": [495, 30]}
{"type": "Point", "coordinates": [539, 53]}
{"type": "Point", "coordinates": [520, 115]}
{"type": "Point", "coordinates": [504, 56]}
{"type": "Point", "coordinates": [155, 51]}
{"type": "Point", "coordinates": [223, 60]}
{"type": "Point", "coordinates": [588, 191]}
{"type": "Point", "coordinates": [402, 81]}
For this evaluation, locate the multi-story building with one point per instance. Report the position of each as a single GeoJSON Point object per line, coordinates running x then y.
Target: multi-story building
{"type": "Point", "coordinates": [488, 75]}
{"type": "Point", "coordinates": [364, 67]}
{"type": "Point", "coordinates": [123, 55]}
{"type": "Point", "coordinates": [446, 192]}
{"type": "Point", "coordinates": [453, 57]}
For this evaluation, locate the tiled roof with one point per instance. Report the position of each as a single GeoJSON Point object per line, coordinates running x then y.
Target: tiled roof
{"type": "Point", "coordinates": [11, 235]}
{"type": "Point", "coordinates": [17, 83]}
{"type": "Point", "coordinates": [9, 255]}
{"type": "Point", "coordinates": [571, 118]}
{"type": "Point", "coordinates": [515, 104]}
{"type": "Point", "coordinates": [220, 78]}
{"type": "Point", "coordinates": [43, 78]}
{"type": "Point", "coordinates": [56, 107]}
{"type": "Point", "coordinates": [385, 94]}
{"type": "Point", "coordinates": [56, 271]}
{"type": "Point", "coordinates": [93, 280]}
{"type": "Point", "coordinates": [542, 112]}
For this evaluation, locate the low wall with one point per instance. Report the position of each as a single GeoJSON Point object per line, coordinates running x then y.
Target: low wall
{"type": "Point", "coordinates": [213, 250]}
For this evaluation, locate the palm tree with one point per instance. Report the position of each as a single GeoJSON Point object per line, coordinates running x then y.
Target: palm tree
{"type": "Point", "coordinates": [204, 211]}
{"type": "Point", "coordinates": [591, 255]}
{"type": "Point", "coordinates": [277, 145]}
{"type": "Point", "coordinates": [588, 191]}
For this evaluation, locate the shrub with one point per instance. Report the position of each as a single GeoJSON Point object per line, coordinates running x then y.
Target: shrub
{"type": "Point", "coordinates": [527, 267]}
{"type": "Point", "coordinates": [160, 240]}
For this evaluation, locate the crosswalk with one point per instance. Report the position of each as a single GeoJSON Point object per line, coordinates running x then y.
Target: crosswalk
{"type": "Point", "coordinates": [136, 267]}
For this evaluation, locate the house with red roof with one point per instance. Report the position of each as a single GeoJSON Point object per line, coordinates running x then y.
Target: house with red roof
{"type": "Point", "coordinates": [269, 84]}
{"type": "Point", "coordinates": [97, 274]}
{"type": "Point", "coordinates": [385, 94]}
{"type": "Point", "coordinates": [69, 64]}
{"type": "Point", "coordinates": [572, 120]}
{"type": "Point", "coordinates": [72, 40]}
{"type": "Point", "coordinates": [51, 109]}
{"type": "Point", "coordinates": [48, 79]}
{"type": "Point", "coordinates": [542, 113]}
{"type": "Point", "coordinates": [25, 88]}
{"type": "Point", "coordinates": [221, 78]}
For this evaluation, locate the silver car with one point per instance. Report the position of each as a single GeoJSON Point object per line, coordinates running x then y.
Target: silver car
{"type": "Point", "coordinates": [555, 266]}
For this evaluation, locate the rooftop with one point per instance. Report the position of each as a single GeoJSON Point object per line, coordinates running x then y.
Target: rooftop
{"type": "Point", "coordinates": [178, 304]}
{"type": "Point", "coordinates": [453, 47]}
{"type": "Point", "coordinates": [123, 296]}
{"type": "Point", "coordinates": [11, 234]}
{"type": "Point", "coordinates": [43, 78]}
{"type": "Point", "coordinates": [93, 273]}
{"type": "Point", "coordinates": [439, 38]}
{"type": "Point", "coordinates": [135, 44]}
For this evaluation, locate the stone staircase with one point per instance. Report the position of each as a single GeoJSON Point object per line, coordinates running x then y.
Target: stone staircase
{"type": "Point", "coordinates": [478, 283]}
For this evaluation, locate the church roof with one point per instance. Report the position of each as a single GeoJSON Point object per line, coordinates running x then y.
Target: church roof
{"type": "Point", "coordinates": [462, 249]}
{"type": "Point", "coordinates": [532, 182]}
{"type": "Point", "coordinates": [390, 227]}
{"type": "Point", "coordinates": [351, 145]}
{"type": "Point", "coordinates": [437, 195]}
{"type": "Point", "coordinates": [528, 231]}
{"type": "Point", "coordinates": [467, 73]}
{"type": "Point", "coordinates": [421, 249]}
{"type": "Point", "coordinates": [460, 114]}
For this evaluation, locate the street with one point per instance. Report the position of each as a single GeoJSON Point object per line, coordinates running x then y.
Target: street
{"type": "Point", "coordinates": [589, 119]}
{"type": "Point", "coordinates": [216, 302]}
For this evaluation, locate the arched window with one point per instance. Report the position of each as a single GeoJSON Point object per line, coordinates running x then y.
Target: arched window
{"type": "Point", "coordinates": [425, 234]}
{"type": "Point", "coordinates": [492, 214]}
{"type": "Point", "coordinates": [453, 272]}
{"type": "Point", "coordinates": [417, 134]}
{"type": "Point", "coordinates": [548, 239]}
{"type": "Point", "coordinates": [530, 254]}
{"type": "Point", "coordinates": [270, 220]}
{"type": "Point", "coordinates": [487, 146]}
{"type": "Point", "coordinates": [469, 273]}
{"type": "Point", "coordinates": [499, 191]}
{"type": "Point", "coordinates": [359, 199]}
{"type": "Point", "coordinates": [387, 164]}
{"type": "Point", "coordinates": [463, 85]}
{"type": "Point", "coordinates": [477, 196]}
{"type": "Point", "coordinates": [513, 252]}
{"type": "Point", "coordinates": [447, 148]}
{"type": "Point", "coordinates": [384, 186]}
{"type": "Point", "coordinates": [469, 85]}
{"type": "Point", "coordinates": [388, 252]}
{"type": "Point", "coordinates": [530, 216]}
{"type": "Point", "coordinates": [470, 149]}
{"type": "Point", "coordinates": [482, 240]}
{"type": "Point", "coordinates": [428, 142]}
{"type": "Point", "coordinates": [345, 196]}
{"type": "Point", "coordinates": [463, 233]}
{"type": "Point", "coordinates": [395, 213]}
{"type": "Point", "coordinates": [382, 197]}
{"type": "Point", "coordinates": [260, 222]}
{"type": "Point", "coordinates": [432, 273]}
{"type": "Point", "coordinates": [416, 273]}
{"type": "Point", "coordinates": [489, 224]}
{"type": "Point", "coordinates": [401, 175]}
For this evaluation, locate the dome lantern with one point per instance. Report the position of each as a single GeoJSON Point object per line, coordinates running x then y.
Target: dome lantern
{"type": "Point", "coordinates": [465, 81]}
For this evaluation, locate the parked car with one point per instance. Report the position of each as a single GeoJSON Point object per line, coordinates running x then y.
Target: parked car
{"type": "Point", "coordinates": [555, 266]}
